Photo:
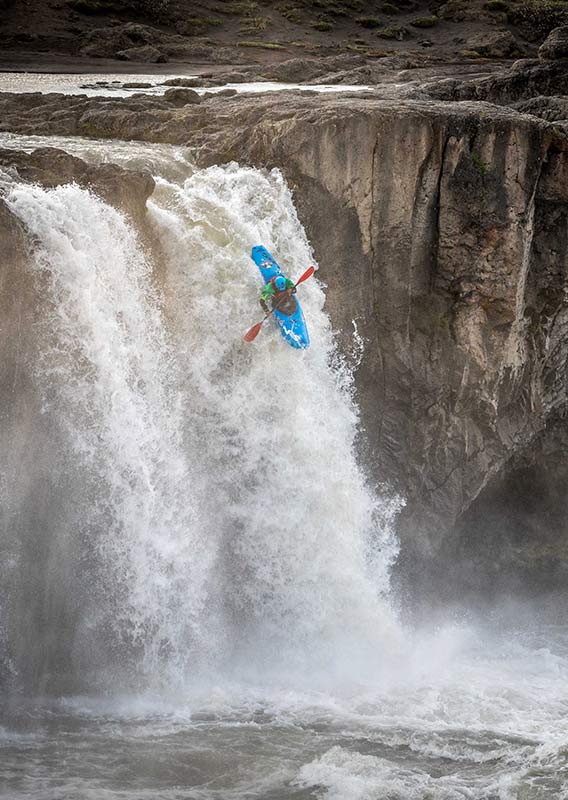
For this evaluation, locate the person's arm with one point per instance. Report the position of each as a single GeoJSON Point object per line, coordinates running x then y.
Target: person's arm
{"type": "Point", "coordinates": [267, 293]}
{"type": "Point", "coordinates": [290, 285]}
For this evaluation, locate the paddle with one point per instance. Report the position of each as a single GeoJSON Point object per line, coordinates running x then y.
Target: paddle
{"type": "Point", "coordinates": [255, 330]}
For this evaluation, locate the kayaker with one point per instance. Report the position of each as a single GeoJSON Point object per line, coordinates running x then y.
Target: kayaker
{"type": "Point", "coordinates": [279, 291]}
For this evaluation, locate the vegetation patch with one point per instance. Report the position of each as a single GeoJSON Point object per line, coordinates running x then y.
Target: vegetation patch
{"type": "Point", "coordinates": [536, 18]}
{"type": "Point", "coordinates": [290, 12]}
{"type": "Point", "coordinates": [456, 10]}
{"type": "Point", "coordinates": [479, 164]}
{"type": "Point", "coordinates": [389, 8]}
{"type": "Point", "coordinates": [254, 24]}
{"type": "Point", "coordinates": [95, 6]}
{"type": "Point", "coordinates": [369, 22]}
{"type": "Point", "coordinates": [496, 5]}
{"type": "Point", "coordinates": [239, 9]}
{"type": "Point", "coordinates": [332, 7]}
{"type": "Point", "coordinates": [474, 56]}
{"type": "Point", "coordinates": [425, 22]}
{"type": "Point", "coordinates": [322, 25]}
{"type": "Point", "coordinates": [262, 45]}
{"type": "Point", "coordinates": [368, 52]}
{"type": "Point", "coordinates": [398, 32]}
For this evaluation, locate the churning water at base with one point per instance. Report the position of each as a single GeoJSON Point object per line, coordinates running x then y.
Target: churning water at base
{"type": "Point", "coordinates": [234, 636]}
{"type": "Point", "coordinates": [471, 716]}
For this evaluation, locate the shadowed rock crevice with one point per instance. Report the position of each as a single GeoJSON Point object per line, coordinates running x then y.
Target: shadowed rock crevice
{"type": "Point", "coordinates": [512, 540]}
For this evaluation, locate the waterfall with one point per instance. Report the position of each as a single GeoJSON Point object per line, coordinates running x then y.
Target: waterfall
{"type": "Point", "coordinates": [221, 522]}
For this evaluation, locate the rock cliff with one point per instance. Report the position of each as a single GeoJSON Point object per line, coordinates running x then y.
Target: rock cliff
{"type": "Point", "coordinates": [441, 230]}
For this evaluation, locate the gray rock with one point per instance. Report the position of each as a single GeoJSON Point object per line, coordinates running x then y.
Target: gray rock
{"type": "Point", "coordinates": [552, 109]}
{"type": "Point", "coordinates": [146, 54]}
{"type": "Point", "coordinates": [109, 41]}
{"type": "Point", "coordinates": [304, 70]}
{"type": "Point", "coordinates": [106, 42]}
{"type": "Point", "coordinates": [500, 44]}
{"type": "Point", "coordinates": [236, 77]}
{"type": "Point", "coordinates": [523, 80]}
{"type": "Point", "coordinates": [127, 189]}
{"type": "Point", "coordinates": [183, 82]}
{"type": "Point", "coordinates": [556, 44]}
{"type": "Point", "coordinates": [181, 97]}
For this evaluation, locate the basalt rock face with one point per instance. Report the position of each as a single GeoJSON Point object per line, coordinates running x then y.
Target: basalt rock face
{"type": "Point", "coordinates": [513, 539]}
{"type": "Point", "coordinates": [441, 230]}
{"type": "Point", "coordinates": [443, 236]}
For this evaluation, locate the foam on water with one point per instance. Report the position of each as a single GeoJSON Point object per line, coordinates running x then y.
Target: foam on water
{"type": "Point", "coordinates": [471, 728]}
{"type": "Point", "coordinates": [276, 428]}
{"type": "Point", "coordinates": [234, 526]}
{"type": "Point", "coordinates": [110, 370]}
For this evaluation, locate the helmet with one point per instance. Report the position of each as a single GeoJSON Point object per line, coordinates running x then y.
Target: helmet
{"type": "Point", "coordinates": [280, 283]}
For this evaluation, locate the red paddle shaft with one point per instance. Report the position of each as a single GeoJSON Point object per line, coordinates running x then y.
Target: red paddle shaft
{"type": "Point", "coordinates": [255, 330]}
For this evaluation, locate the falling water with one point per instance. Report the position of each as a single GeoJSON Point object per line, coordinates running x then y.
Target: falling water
{"type": "Point", "coordinates": [211, 579]}
{"type": "Point", "coordinates": [232, 525]}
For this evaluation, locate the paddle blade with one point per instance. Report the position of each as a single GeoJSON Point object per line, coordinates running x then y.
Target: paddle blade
{"type": "Point", "coordinates": [307, 274]}
{"type": "Point", "coordinates": [253, 333]}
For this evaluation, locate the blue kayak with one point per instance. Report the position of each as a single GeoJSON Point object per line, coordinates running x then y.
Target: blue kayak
{"type": "Point", "coordinates": [292, 326]}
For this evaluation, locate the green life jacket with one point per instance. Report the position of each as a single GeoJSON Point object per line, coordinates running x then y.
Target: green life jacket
{"type": "Point", "coordinates": [270, 290]}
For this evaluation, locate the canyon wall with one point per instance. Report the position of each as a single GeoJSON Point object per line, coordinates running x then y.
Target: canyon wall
{"type": "Point", "coordinates": [443, 233]}
{"type": "Point", "coordinates": [440, 229]}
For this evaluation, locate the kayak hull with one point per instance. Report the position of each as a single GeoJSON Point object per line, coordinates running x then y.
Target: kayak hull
{"type": "Point", "coordinates": [292, 326]}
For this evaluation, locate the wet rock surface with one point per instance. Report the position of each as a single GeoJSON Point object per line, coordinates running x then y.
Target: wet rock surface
{"type": "Point", "coordinates": [125, 189]}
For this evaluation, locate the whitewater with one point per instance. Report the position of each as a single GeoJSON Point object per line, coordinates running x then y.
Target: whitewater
{"type": "Point", "coordinates": [227, 558]}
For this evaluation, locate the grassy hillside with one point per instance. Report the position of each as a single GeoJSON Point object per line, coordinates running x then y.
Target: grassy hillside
{"type": "Point", "coordinates": [287, 28]}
